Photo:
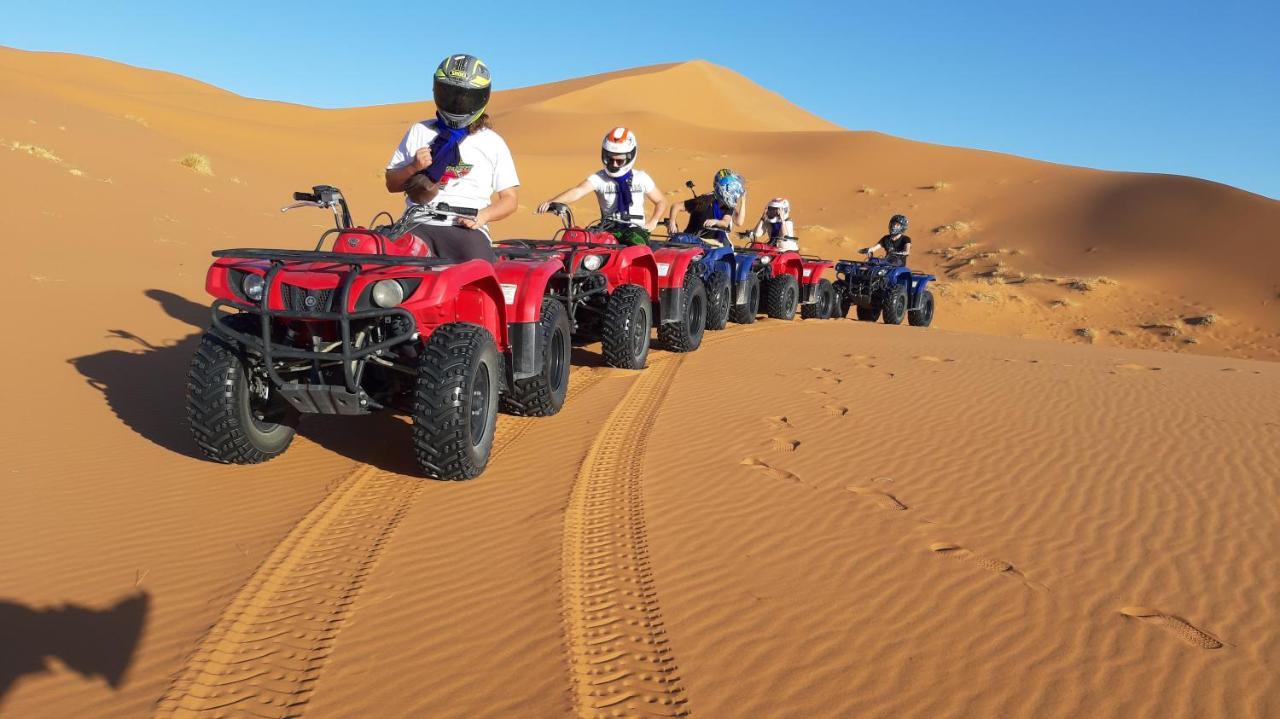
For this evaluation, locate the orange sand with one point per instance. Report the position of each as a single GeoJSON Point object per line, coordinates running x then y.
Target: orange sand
{"type": "Point", "coordinates": [802, 519]}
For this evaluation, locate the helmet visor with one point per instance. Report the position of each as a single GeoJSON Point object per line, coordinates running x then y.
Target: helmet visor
{"type": "Point", "coordinates": [460, 100]}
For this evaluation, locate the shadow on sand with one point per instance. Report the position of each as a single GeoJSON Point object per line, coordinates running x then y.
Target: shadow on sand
{"type": "Point", "coordinates": [91, 642]}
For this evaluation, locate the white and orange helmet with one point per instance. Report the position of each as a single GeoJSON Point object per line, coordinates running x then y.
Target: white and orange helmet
{"type": "Point", "coordinates": [619, 141]}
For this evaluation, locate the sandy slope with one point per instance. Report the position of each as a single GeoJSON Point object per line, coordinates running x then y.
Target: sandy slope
{"type": "Point", "coordinates": [944, 523]}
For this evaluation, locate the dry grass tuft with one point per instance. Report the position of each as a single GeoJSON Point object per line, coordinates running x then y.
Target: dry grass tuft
{"type": "Point", "coordinates": [957, 228]}
{"type": "Point", "coordinates": [34, 151]}
{"type": "Point", "coordinates": [1086, 333]}
{"type": "Point", "coordinates": [865, 190]}
{"type": "Point", "coordinates": [197, 163]}
{"type": "Point", "coordinates": [1061, 302]}
{"type": "Point", "coordinates": [1201, 320]}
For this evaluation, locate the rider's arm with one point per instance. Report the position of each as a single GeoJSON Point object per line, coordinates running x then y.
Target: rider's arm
{"type": "Point", "coordinates": [758, 230]}
{"type": "Point", "coordinates": [740, 212]}
{"type": "Point", "coordinates": [573, 194]}
{"type": "Point", "coordinates": [659, 201]}
{"type": "Point", "coordinates": [671, 216]}
{"type": "Point", "coordinates": [506, 204]}
{"type": "Point", "coordinates": [397, 178]}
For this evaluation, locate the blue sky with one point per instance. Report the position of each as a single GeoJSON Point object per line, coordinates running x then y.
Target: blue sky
{"type": "Point", "coordinates": [1190, 88]}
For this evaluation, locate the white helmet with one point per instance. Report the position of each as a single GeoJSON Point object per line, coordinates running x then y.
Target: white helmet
{"type": "Point", "coordinates": [619, 141]}
{"type": "Point", "coordinates": [782, 205]}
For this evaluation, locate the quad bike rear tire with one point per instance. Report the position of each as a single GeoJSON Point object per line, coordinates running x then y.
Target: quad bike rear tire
{"type": "Point", "coordinates": [455, 401]}
{"type": "Point", "coordinates": [745, 313]}
{"type": "Point", "coordinates": [227, 419]}
{"type": "Point", "coordinates": [922, 317]}
{"type": "Point", "coordinates": [895, 304]}
{"type": "Point", "coordinates": [624, 331]}
{"type": "Point", "coordinates": [780, 295]}
{"type": "Point", "coordinates": [686, 334]}
{"type": "Point", "coordinates": [719, 300]}
{"type": "Point", "coordinates": [543, 394]}
{"type": "Point", "coordinates": [824, 305]}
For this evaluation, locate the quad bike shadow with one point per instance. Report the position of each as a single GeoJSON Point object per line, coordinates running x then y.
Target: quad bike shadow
{"type": "Point", "coordinates": [90, 642]}
{"type": "Point", "coordinates": [144, 387]}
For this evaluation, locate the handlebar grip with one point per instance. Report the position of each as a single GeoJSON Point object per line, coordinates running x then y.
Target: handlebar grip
{"type": "Point", "coordinates": [305, 197]}
{"type": "Point", "coordinates": [463, 211]}
{"type": "Point", "coordinates": [556, 208]}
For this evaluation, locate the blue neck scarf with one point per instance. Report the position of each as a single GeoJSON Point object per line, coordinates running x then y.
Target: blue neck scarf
{"type": "Point", "coordinates": [775, 229]}
{"type": "Point", "coordinates": [717, 212]}
{"type": "Point", "coordinates": [623, 193]}
{"type": "Point", "coordinates": [444, 149]}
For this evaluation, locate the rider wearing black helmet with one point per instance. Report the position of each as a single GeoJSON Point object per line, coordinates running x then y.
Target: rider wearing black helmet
{"type": "Point", "coordinates": [457, 159]}
{"type": "Point", "coordinates": [896, 244]}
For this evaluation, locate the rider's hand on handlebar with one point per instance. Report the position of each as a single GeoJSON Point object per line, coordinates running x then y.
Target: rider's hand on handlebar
{"type": "Point", "coordinates": [542, 209]}
{"type": "Point", "coordinates": [422, 158]}
{"type": "Point", "coordinates": [473, 223]}
{"type": "Point", "coordinates": [712, 225]}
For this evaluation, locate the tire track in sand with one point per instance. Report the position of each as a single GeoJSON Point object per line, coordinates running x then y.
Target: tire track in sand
{"type": "Point", "coordinates": [264, 654]}
{"type": "Point", "coordinates": [619, 659]}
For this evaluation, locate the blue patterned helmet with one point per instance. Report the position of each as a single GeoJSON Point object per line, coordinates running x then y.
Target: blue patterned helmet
{"type": "Point", "coordinates": [729, 188]}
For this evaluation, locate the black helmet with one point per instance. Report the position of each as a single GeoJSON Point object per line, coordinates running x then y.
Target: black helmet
{"type": "Point", "coordinates": [461, 89]}
{"type": "Point", "coordinates": [897, 224]}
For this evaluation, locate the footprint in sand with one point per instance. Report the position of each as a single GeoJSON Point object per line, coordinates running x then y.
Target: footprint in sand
{"type": "Point", "coordinates": [779, 422]}
{"type": "Point", "coordinates": [836, 410]}
{"type": "Point", "coordinates": [883, 498]}
{"type": "Point", "coordinates": [786, 444]}
{"type": "Point", "coordinates": [770, 470]}
{"type": "Point", "coordinates": [1177, 626]}
{"type": "Point", "coordinates": [1138, 367]}
{"type": "Point", "coordinates": [999, 566]}
{"type": "Point", "coordinates": [931, 358]}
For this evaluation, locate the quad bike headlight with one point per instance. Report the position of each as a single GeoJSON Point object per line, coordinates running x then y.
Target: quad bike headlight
{"type": "Point", "coordinates": [387, 293]}
{"type": "Point", "coordinates": [764, 260]}
{"type": "Point", "coordinates": [253, 286]}
{"type": "Point", "coordinates": [593, 262]}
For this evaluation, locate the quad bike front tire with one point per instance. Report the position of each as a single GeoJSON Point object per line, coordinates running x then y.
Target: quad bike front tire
{"type": "Point", "coordinates": [824, 305]}
{"type": "Point", "coordinates": [455, 401]}
{"type": "Point", "coordinates": [624, 331]}
{"type": "Point", "coordinates": [228, 419]}
{"type": "Point", "coordinates": [895, 304]}
{"type": "Point", "coordinates": [780, 295]}
{"type": "Point", "coordinates": [868, 313]}
{"type": "Point", "coordinates": [686, 334]}
{"type": "Point", "coordinates": [719, 300]}
{"type": "Point", "coordinates": [922, 317]}
{"type": "Point", "coordinates": [745, 313]}
{"type": "Point", "coordinates": [543, 394]}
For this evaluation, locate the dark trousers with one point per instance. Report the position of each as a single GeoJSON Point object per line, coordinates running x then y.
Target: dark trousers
{"type": "Point", "coordinates": [456, 243]}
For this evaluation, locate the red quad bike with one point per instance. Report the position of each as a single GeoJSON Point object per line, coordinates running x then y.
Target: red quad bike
{"type": "Point", "coordinates": [611, 291]}
{"type": "Point", "coordinates": [371, 324]}
{"type": "Point", "coordinates": [788, 278]}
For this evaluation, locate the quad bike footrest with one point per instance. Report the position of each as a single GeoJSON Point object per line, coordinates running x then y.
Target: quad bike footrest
{"type": "Point", "coordinates": [326, 399]}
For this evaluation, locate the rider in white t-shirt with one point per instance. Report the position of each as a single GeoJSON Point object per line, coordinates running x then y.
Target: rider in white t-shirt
{"type": "Point", "coordinates": [620, 189]}
{"type": "Point", "coordinates": [456, 159]}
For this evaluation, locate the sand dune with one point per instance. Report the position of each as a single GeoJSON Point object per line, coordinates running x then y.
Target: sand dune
{"type": "Point", "coordinates": [800, 519]}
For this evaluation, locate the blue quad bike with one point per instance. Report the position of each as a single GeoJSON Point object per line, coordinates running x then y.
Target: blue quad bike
{"type": "Point", "coordinates": [878, 288]}
{"type": "Point", "coordinates": [732, 277]}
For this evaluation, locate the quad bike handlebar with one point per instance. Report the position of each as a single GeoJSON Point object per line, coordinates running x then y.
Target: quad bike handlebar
{"type": "Point", "coordinates": [325, 197]}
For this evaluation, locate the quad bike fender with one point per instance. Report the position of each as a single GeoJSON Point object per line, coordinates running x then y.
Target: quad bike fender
{"type": "Point", "coordinates": [466, 292]}
{"type": "Point", "coordinates": [811, 272]}
{"type": "Point", "coordinates": [524, 284]}
{"type": "Point", "coordinates": [633, 265]}
{"type": "Point", "coordinates": [919, 282]}
{"type": "Point", "coordinates": [673, 264]}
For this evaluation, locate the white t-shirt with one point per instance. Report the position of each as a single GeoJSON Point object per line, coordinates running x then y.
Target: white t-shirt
{"type": "Point", "coordinates": [485, 166]}
{"type": "Point", "coordinates": [607, 193]}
